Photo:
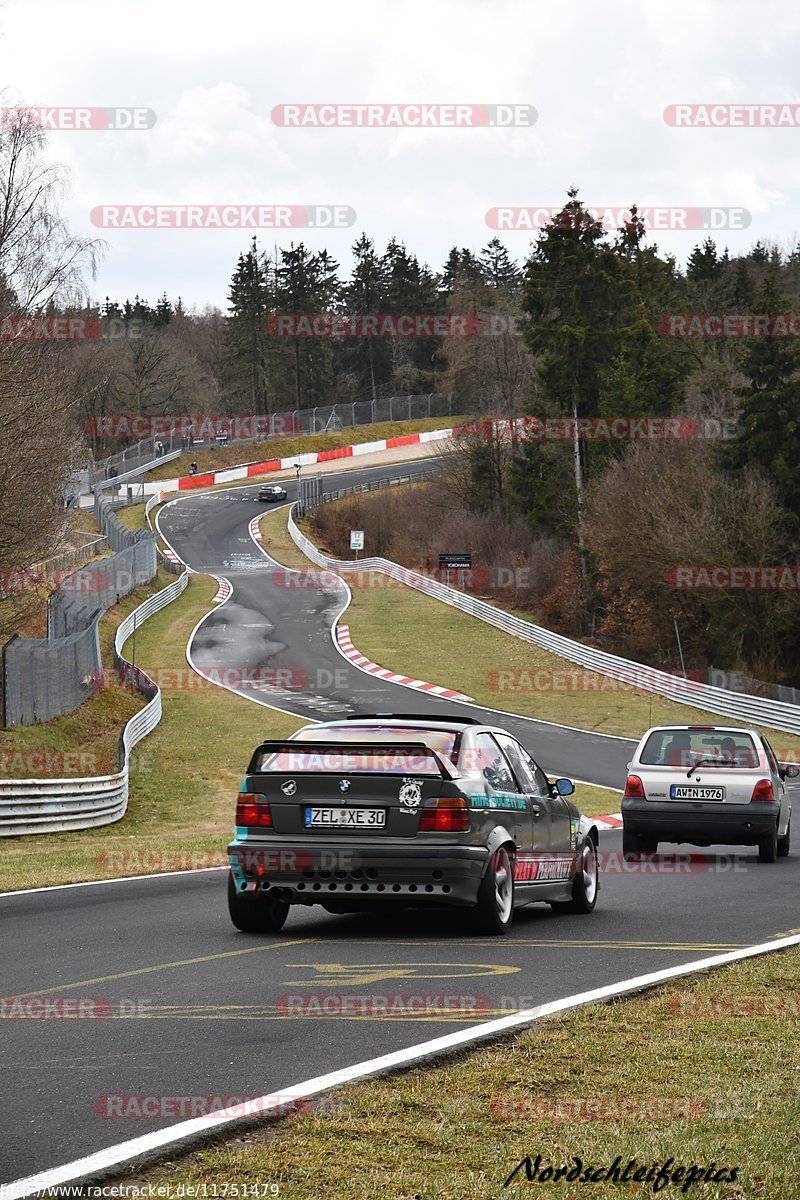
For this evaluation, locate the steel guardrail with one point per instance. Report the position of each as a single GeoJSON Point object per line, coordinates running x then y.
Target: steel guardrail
{"type": "Point", "coordinates": [759, 710]}
{"type": "Point", "coordinates": [29, 806]}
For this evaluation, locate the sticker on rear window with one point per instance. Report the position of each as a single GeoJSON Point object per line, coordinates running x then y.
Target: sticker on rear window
{"type": "Point", "coordinates": [410, 794]}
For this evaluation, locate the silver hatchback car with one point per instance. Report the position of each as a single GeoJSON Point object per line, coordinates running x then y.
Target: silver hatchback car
{"type": "Point", "coordinates": [707, 785]}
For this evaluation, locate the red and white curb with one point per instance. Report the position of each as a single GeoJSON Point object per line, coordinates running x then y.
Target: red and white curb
{"type": "Point", "coordinates": [169, 553]}
{"type": "Point", "coordinates": [612, 822]}
{"type": "Point", "coordinates": [349, 651]}
{"type": "Point", "coordinates": [223, 591]}
{"type": "Point", "coordinates": [210, 478]}
{"type": "Point", "coordinates": [255, 532]}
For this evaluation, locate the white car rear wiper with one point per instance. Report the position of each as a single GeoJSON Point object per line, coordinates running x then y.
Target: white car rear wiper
{"type": "Point", "coordinates": [699, 763]}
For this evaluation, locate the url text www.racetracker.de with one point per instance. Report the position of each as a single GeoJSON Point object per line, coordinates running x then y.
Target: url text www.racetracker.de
{"type": "Point", "coordinates": [659, 1175]}
{"type": "Point", "coordinates": [155, 1191]}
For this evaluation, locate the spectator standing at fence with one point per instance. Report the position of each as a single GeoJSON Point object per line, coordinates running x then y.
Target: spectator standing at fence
{"type": "Point", "coordinates": [193, 468]}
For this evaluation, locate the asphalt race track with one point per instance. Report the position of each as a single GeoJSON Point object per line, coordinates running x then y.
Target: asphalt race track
{"type": "Point", "coordinates": [184, 1006]}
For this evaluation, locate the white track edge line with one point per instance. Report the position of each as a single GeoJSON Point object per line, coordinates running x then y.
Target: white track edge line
{"type": "Point", "coordinates": [60, 887]}
{"type": "Point", "coordinates": [102, 1161]}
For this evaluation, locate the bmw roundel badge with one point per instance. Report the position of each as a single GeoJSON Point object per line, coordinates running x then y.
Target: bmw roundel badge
{"type": "Point", "coordinates": [344, 785]}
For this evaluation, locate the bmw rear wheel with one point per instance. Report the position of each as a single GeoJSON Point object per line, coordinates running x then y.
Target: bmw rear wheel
{"type": "Point", "coordinates": [255, 914]}
{"type": "Point", "coordinates": [495, 908]}
{"type": "Point", "coordinates": [585, 883]}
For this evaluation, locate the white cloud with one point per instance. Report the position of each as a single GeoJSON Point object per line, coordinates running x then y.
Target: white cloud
{"type": "Point", "coordinates": [599, 75]}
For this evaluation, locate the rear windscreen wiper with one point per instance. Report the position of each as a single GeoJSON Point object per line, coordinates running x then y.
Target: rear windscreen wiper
{"type": "Point", "coordinates": [699, 763]}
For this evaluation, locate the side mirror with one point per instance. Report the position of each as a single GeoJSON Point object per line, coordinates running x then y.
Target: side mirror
{"type": "Point", "coordinates": [565, 787]}
{"type": "Point", "coordinates": [629, 765]}
{"type": "Point", "coordinates": [791, 772]}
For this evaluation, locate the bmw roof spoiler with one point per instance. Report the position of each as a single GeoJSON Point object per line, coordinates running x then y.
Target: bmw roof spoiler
{"type": "Point", "coordinates": [331, 746]}
{"type": "Point", "coordinates": [401, 716]}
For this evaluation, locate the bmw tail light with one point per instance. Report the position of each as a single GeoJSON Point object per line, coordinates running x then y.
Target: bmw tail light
{"type": "Point", "coordinates": [252, 811]}
{"type": "Point", "coordinates": [763, 791]}
{"type": "Point", "coordinates": [634, 788]}
{"type": "Point", "coordinates": [444, 814]}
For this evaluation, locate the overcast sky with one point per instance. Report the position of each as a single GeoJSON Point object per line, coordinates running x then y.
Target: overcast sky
{"type": "Point", "coordinates": [598, 72]}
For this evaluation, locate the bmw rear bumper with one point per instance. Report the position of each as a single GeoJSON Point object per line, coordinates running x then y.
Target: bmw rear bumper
{"type": "Point", "coordinates": [360, 871]}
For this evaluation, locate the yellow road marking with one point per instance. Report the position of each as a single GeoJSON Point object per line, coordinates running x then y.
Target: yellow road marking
{"type": "Point", "coordinates": [539, 944]}
{"type": "Point", "coordinates": [185, 962]}
{"type": "Point", "coordinates": [560, 943]}
{"type": "Point", "coordinates": [333, 974]}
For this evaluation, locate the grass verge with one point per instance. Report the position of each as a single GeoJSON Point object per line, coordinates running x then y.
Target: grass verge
{"type": "Point", "coordinates": [238, 452]}
{"type": "Point", "coordinates": [184, 775]}
{"type": "Point", "coordinates": [132, 517]}
{"type": "Point", "coordinates": [670, 1076]}
{"type": "Point", "coordinates": [415, 635]}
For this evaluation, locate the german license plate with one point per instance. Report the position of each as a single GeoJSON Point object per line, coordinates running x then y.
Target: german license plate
{"type": "Point", "coordinates": [348, 818]}
{"type": "Point", "coordinates": [679, 792]}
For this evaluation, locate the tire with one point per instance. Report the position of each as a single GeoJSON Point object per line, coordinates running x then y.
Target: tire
{"type": "Point", "coordinates": [585, 883]}
{"type": "Point", "coordinates": [634, 844]}
{"type": "Point", "coordinates": [494, 911]}
{"type": "Point", "coordinates": [255, 914]}
{"type": "Point", "coordinates": [768, 846]}
{"type": "Point", "coordinates": [783, 842]}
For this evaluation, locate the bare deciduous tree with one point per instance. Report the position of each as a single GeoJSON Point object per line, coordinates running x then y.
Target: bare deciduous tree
{"type": "Point", "coordinates": [41, 264]}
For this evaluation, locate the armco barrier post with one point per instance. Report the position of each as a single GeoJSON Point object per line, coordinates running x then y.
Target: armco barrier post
{"type": "Point", "coordinates": [4, 680]}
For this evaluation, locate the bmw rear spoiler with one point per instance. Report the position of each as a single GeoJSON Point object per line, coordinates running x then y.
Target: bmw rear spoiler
{"type": "Point", "coordinates": [346, 747]}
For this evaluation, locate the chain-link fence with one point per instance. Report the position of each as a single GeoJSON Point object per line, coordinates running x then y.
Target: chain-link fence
{"type": "Point", "coordinates": [119, 536]}
{"type": "Point", "coordinates": [98, 587]}
{"type": "Point", "coordinates": [48, 677]}
{"type": "Point", "coordinates": [205, 433]}
{"type": "Point", "coordinates": [311, 495]}
{"type": "Point", "coordinates": [735, 681]}
{"type": "Point", "coordinates": [43, 679]}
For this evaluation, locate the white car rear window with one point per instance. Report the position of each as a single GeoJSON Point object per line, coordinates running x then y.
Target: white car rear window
{"type": "Point", "coordinates": [722, 748]}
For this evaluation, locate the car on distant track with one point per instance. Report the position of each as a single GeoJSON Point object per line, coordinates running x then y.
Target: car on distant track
{"type": "Point", "coordinates": [272, 492]}
{"type": "Point", "coordinates": [406, 811]}
{"type": "Point", "coordinates": [707, 785]}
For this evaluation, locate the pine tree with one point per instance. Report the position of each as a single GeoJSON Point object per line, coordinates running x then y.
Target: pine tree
{"type": "Point", "coordinates": [308, 283]}
{"type": "Point", "coordinates": [411, 289]}
{"type": "Point", "coordinates": [111, 309]}
{"type": "Point", "coordinates": [366, 294]}
{"type": "Point", "coordinates": [769, 418]}
{"type": "Point", "coordinates": [498, 268]}
{"type": "Point", "coordinates": [163, 312]}
{"type": "Point", "coordinates": [450, 270]}
{"type": "Point", "coordinates": [741, 288]}
{"type": "Point", "coordinates": [703, 264]}
{"type": "Point", "coordinates": [245, 351]}
{"type": "Point", "coordinates": [571, 296]}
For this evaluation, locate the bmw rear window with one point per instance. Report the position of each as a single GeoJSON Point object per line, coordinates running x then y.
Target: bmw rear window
{"type": "Point", "coordinates": [722, 748]}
